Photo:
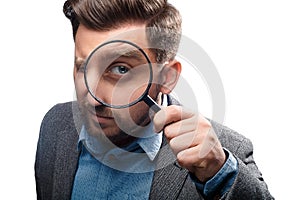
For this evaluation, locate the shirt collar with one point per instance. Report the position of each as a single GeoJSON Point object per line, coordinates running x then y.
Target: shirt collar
{"type": "Point", "coordinates": [150, 143]}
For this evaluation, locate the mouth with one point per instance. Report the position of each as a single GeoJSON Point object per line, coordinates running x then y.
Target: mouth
{"type": "Point", "coordinates": [101, 118]}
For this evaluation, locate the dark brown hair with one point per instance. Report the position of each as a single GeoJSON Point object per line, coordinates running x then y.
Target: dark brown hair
{"type": "Point", "coordinates": [162, 20]}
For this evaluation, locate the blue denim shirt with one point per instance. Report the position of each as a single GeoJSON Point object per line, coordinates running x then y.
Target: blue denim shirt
{"type": "Point", "coordinates": [108, 172]}
{"type": "Point", "coordinates": [111, 173]}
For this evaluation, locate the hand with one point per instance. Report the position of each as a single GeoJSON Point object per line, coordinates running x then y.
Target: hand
{"type": "Point", "coordinates": [192, 139]}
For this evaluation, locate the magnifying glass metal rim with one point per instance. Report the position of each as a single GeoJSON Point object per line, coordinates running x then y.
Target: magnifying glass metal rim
{"type": "Point", "coordinates": [143, 97]}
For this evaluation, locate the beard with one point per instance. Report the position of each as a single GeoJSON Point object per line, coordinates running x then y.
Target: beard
{"type": "Point", "coordinates": [123, 127]}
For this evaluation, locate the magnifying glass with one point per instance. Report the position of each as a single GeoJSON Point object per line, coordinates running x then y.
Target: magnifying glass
{"type": "Point", "coordinates": [118, 74]}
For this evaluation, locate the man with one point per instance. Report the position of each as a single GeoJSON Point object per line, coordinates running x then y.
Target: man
{"type": "Point", "coordinates": [88, 150]}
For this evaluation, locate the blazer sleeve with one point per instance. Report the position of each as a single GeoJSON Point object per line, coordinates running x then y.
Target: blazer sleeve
{"type": "Point", "coordinates": [249, 183]}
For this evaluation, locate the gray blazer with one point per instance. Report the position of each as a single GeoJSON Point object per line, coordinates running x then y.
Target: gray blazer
{"type": "Point", "coordinates": [57, 158]}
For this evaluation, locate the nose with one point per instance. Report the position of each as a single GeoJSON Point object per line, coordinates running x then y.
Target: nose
{"type": "Point", "coordinates": [101, 93]}
{"type": "Point", "coordinates": [91, 98]}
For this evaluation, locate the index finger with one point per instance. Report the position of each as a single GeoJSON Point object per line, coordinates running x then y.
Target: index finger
{"type": "Point", "coordinates": [168, 115]}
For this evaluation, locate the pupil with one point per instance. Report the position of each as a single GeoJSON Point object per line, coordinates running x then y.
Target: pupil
{"type": "Point", "coordinates": [123, 69]}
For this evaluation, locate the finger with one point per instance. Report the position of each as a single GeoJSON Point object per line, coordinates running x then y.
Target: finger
{"type": "Point", "coordinates": [183, 142]}
{"type": "Point", "coordinates": [208, 149]}
{"type": "Point", "coordinates": [168, 115]}
{"type": "Point", "coordinates": [180, 127]}
{"type": "Point", "coordinates": [197, 124]}
{"type": "Point", "coordinates": [189, 157]}
{"type": "Point", "coordinates": [202, 161]}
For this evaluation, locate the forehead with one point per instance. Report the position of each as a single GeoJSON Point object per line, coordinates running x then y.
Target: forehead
{"type": "Point", "coordinates": [87, 40]}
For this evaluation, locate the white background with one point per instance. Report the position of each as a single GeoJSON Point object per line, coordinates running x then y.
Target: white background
{"type": "Point", "coordinates": [255, 46]}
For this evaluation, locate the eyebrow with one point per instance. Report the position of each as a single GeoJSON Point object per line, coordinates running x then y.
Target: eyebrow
{"type": "Point", "coordinates": [116, 53]}
{"type": "Point", "coordinates": [127, 53]}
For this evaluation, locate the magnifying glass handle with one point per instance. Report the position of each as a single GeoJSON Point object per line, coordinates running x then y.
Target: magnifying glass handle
{"type": "Point", "coordinates": [151, 103]}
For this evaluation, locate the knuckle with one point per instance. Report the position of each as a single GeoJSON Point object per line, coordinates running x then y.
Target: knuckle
{"type": "Point", "coordinates": [181, 159]}
{"type": "Point", "coordinates": [172, 144]}
{"type": "Point", "coordinates": [168, 132]}
{"type": "Point", "coordinates": [156, 123]}
{"type": "Point", "coordinates": [204, 124]}
{"type": "Point", "coordinates": [173, 110]}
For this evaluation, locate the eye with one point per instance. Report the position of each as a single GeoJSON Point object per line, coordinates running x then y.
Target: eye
{"type": "Point", "coordinates": [119, 69]}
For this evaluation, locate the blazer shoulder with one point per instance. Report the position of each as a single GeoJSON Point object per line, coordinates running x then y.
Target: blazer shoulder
{"type": "Point", "coordinates": [59, 111]}
{"type": "Point", "coordinates": [61, 116]}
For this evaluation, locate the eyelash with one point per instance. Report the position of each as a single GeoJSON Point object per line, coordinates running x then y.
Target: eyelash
{"type": "Point", "coordinates": [119, 65]}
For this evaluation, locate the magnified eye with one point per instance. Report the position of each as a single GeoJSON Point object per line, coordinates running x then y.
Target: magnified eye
{"type": "Point", "coordinates": [119, 69]}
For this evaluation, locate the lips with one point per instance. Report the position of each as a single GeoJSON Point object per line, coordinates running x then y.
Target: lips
{"type": "Point", "coordinates": [101, 118]}
{"type": "Point", "coordinates": [104, 120]}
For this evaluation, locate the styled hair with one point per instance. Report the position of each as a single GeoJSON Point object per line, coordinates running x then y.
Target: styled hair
{"type": "Point", "coordinates": [163, 21]}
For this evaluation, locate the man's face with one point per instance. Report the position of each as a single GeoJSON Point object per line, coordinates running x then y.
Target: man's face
{"type": "Point", "coordinates": [116, 124]}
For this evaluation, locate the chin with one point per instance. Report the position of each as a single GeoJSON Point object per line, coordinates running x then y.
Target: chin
{"type": "Point", "coordinates": [110, 134]}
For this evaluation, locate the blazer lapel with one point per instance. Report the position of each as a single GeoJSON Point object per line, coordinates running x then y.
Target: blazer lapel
{"type": "Point", "coordinates": [169, 177]}
{"type": "Point", "coordinates": [65, 165]}
{"type": "Point", "coordinates": [66, 158]}
{"type": "Point", "coordinates": [67, 155]}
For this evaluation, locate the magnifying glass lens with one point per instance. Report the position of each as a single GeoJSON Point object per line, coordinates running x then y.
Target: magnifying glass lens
{"type": "Point", "coordinates": [118, 74]}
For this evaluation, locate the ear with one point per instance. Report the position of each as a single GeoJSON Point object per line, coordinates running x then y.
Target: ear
{"type": "Point", "coordinates": [170, 75]}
